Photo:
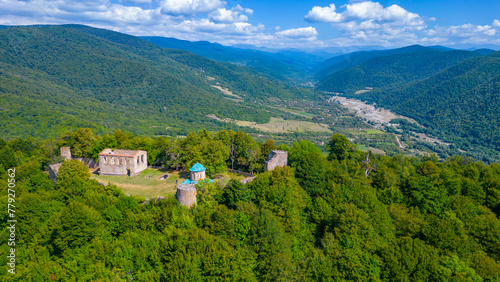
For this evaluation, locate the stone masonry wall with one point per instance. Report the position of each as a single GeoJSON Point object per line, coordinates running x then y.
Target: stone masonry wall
{"type": "Point", "coordinates": [276, 158]}
{"type": "Point", "coordinates": [186, 194]}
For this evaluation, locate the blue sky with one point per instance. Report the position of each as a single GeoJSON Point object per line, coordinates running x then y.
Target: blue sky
{"type": "Point", "coordinates": [280, 23]}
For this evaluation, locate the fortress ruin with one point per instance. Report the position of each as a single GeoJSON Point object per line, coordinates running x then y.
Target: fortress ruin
{"type": "Point", "coordinates": [186, 191]}
{"type": "Point", "coordinates": [276, 158]}
{"type": "Point", "coordinates": [122, 162]}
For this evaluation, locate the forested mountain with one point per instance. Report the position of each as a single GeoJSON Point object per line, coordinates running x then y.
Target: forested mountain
{"type": "Point", "coordinates": [453, 94]}
{"type": "Point", "coordinates": [337, 63]}
{"type": "Point", "coordinates": [460, 104]}
{"type": "Point", "coordinates": [284, 65]}
{"type": "Point", "coordinates": [339, 217]}
{"type": "Point", "coordinates": [392, 70]}
{"type": "Point", "coordinates": [484, 51]}
{"type": "Point", "coordinates": [57, 77]}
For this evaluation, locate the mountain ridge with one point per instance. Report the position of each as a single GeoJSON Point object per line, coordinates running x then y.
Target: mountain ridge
{"type": "Point", "coordinates": [136, 81]}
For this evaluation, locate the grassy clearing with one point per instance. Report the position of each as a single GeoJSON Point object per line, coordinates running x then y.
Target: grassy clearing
{"type": "Point", "coordinates": [377, 151]}
{"type": "Point", "coordinates": [278, 125]}
{"type": "Point", "coordinates": [374, 131]}
{"type": "Point", "coordinates": [365, 131]}
{"type": "Point", "coordinates": [362, 148]}
{"type": "Point", "coordinates": [148, 183]}
{"type": "Point", "coordinates": [294, 112]}
{"type": "Point", "coordinates": [374, 150]}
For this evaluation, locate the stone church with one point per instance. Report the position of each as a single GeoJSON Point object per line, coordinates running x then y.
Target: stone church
{"type": "Point", "coordinates": [122, 162]}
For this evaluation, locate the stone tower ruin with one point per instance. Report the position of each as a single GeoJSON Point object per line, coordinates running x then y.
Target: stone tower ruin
{"type": "Point", "coordinates": [186, 191]}
{"type": "Point", "coordinates": [276, 158]}
{"type": "Point", "coordinates": [186, 194]}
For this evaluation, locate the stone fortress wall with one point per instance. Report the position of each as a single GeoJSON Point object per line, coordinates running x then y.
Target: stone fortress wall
{"type": "Point", "coordinates": [66, 154]}
{"type": "Point", "coordinates": [186, 194]}
{"type": "Point", "coordinates": [276, 158]}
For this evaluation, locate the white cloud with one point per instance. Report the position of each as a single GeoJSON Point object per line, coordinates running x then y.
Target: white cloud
{"type": "Point", "coordinates": [236, 14]}
{"type": "Point", "coordinates": [375, 11]}
{"type": "Point", "coordinates": [241, 9]}
{"type": "Point", "coordinates": [190, 7]}
{"type": "Point", "coordinates": [324, 15]}
{"type": "Point", "coordinates": [368, 22]}
{"type": "Point", "coordinates": [496, 23]}
{"type": "Point", "coordinates": [463, 31]}
{"type": "Point", "coordinates": [136, 1]}
{"type": "Point", "coordinates": [358, 23]}
{"type": "Point", "coordinates": [303, 32]}
{"type": "Point", "coordinates": [362, 11]}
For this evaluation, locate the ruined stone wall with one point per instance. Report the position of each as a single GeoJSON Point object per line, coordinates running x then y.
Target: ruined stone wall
{"type": "Point", "coordinates": [113, 165]}
{"type": "Point", "coordinates": [138, 163]}
{"type": "Point", "coordinates": [186, 194]}
{"type": "Point", "coordinates": [66, 153]}
{"type": "Point", "coordinates": [90, 163]}
{"type": "Point", "coordinates": [276, 158]}
{"type": "Point", "coordinates": [123, 165]}
{"type": "Point", "coordinates": [53, 170]}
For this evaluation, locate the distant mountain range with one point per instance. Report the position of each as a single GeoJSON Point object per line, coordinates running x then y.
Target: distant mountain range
{"type": "Point", "coordinates": [53, 78]}
{"type": "Point", "coordinates": [348, 60]}
{"type": "Point", "coordinates": [287, 65]}
{"type": "Point", "coordinates": [454, 94]}
{"type": "Point", "coordinates": [389, 67]}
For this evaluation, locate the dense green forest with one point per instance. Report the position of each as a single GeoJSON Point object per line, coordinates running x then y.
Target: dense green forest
{"type": "Point", "coordinates": [392, 70]}
{"type": "Point", "coordinates": [453, 95]}
{"type": "Point", "coordinates": [348, 60]}
{"type": "Point", "coordinates": [459, 104]}
{"type": "Point", "coordinates": [57, 77]}
{"type": "Point", "coordinates": [341, 216]}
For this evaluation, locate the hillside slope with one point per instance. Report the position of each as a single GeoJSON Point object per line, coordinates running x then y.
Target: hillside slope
{"type": "Point", "coordinates": [391, 70]}
{"type": "Point", "coordinates": [286, 66]}
{"type": "Point", "coordinates": [58, 77]}
{"type": "Point", "coordinates": [460, 104]}
{"type": "Point", "coordinates": [337, 63]}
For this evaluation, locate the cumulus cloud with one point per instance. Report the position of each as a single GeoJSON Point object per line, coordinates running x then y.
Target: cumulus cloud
{"type": "Point", "coordinates": [463, 31]}
{"type": "Point", "coordinates": [136, 1]}
{"type": "Point", "coordinates": [368, 22]}
{"type": "Point", "coordinates": [303, 32]}
{"type": "Point", "coordinates": [356, 23]}
{"type": "Point", "coordinates": [362, 11]}
{"type": "Point", "coordinates": [324, 15]}
{"type": "Point", "coordinates": [190, 7]}
{"type": "Point", "coordinates": [236, 14]}
{"type": "Point", "coordinates": [376, 12]}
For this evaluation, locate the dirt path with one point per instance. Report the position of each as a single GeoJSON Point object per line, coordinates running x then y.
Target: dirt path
{"type": "Point", "coordinates": [399, 143]}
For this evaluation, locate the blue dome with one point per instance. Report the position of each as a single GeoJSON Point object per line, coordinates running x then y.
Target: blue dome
{"type": "Point", "coordinates": [197, 167]}
{"type": "Point", "coordinates": [189, 181]}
